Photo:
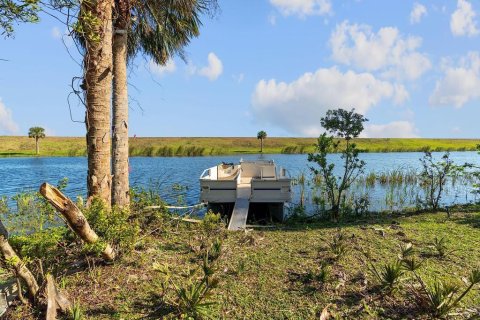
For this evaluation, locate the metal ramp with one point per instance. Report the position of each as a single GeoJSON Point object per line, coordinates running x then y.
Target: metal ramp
{"type": "Point", "coordinates": [238, 221]}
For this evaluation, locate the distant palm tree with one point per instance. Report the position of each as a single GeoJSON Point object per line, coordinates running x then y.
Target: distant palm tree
{"type": "Point", "coordinates": [37, 133]}
{"type": "Point", "coordinates": [261, 135]}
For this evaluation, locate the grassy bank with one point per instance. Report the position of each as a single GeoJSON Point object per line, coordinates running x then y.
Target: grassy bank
{"type": "Point", "coordinates": [276, 274]}
{"type": "Point", "coordinates": [191, 146]}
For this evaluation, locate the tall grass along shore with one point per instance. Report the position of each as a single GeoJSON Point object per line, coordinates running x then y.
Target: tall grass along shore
{"type": "Point", "coordinates": [12, 146]}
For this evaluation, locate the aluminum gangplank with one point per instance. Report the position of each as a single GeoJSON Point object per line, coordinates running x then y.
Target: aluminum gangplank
{"type": "Point", "coordinates": [238, 221]}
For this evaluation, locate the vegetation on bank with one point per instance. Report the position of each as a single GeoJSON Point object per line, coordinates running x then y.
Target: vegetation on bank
{"type": "Point", "coordinates": [196, 146]}
{"type": "Point", "coordinates": [169, 269]}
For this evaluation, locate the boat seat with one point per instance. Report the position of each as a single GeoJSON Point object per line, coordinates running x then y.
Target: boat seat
{"type": "Point", "coordinates": [230, 177]}
{"type": "Point", "coordinates": [268, 172]}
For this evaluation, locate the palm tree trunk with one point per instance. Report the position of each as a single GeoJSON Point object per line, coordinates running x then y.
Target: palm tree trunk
{"type": "Point", "coordinates": [37, 150]}
{"type": "Point", "coordinates": [261, 145]}
{"type": "Point", "coordinates": [98, 82]}
{"type": "Point", "coordinates": [120, 183]}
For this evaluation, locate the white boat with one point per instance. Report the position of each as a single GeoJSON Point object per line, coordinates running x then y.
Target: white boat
{"type": "Point", "coordinates": [237, 189]}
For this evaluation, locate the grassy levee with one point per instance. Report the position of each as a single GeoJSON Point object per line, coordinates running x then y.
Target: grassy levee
{"type": "Point", "coordinates": [11, 146]}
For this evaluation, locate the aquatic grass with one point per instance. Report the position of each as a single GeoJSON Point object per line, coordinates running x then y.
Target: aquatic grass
{"type": "Point", "coordinates": [370, 179]}
{"type": "Point", "coordinates": [299, 149]}
{"type": "Point", "coordinates": [399, 176]}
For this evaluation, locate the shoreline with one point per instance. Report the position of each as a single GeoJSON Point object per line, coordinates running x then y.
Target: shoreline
{"type": "Point", "coordinates": [14, 146]}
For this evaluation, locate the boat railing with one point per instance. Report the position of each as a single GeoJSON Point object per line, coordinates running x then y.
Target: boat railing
{"type": "Point", "coordinates": [205, 173]}
{"type": "Point", "coordinates": [284, 174]}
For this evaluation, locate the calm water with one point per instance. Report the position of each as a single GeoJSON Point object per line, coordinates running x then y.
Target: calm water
{"type": "Point", "coordinates": [24, 174]}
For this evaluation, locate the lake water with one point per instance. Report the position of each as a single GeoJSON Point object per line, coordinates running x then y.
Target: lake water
{"type": "Point", "coordinates": [162, 174]}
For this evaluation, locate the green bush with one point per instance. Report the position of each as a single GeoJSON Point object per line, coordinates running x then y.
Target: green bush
{"type": "Point", "coordinates": [338, 246]}
{"type": "Point", "coordinates": [115, 227]}
{"type": "Point", "coordinates": [141, 198]}
{"type": "Point", "coordinates": [31, 213]}
{"type": "Point", "coordinates": [212, 222]}
{"type": "Point", "coordinates": [47, 245]}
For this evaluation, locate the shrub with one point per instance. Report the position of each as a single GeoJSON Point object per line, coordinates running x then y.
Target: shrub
{"type": "Point", "coordinates": [389, 275]}
{"type": "Point", "coordinates": [440, 298]}
{"type": "Point", "coordinates": [141, 198]}
{"type": "Point", "coordinates": [32, 213]}
{"type": "Point", "coordinates": [194, 295]}
{"type": "Point", "coordinates": [346, 125]}
{"type": "Point", "coordinates": [406, 250]}
{"type": "Point", "coordinates": [361, 205]}
{"type": "Point", "coordinates": [338, 245]}
{"type": "Point", "coordinates": [440, 245]}
{"type": "Point", "coordinates": [47, 246]}
{"type": "Point", "coordinates": [212, 222]}
{"type": "Point", "coordinates": [114, 227]}
{"type": "Point", "coordinates": [434, 178]}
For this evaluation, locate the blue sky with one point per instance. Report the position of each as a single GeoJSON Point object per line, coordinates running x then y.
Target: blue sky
{"type": "Point", "coordinates": [412, 67]}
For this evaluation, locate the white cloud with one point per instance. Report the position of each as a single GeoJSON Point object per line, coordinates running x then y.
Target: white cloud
{"type": "Point", "coordinates": [214, 68]}
{"type": "Point", "coordinates": [298, 106]}
{"type": "Point", "coordinates": [462, 21]}
{"type": "Point", "coordinates": [385, 51]}
{"type": "Point", "coordinates": [303, 8]}
{"type": "Point", "coordinates": [7, 124]}
{"type": "Point", "coordinates": [460, 83]}
{"type": "Point", "coordinates": [395, 129]}
{"type": "Point", "coordinates": [400, 94]}
{"type": "Point", "coordinates": [161, 70]}
{"type": "Point", "coordinates": [418, 11]}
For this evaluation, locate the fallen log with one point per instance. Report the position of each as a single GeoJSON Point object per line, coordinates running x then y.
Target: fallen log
{"type": "Point", "coordinates": [56, 300]}
{"type": "Point", "coordinates": [75, 218]}
{"type": "Point", "coordinates": [187, 220]}
{"type": "Point", "coordinates": [12, 259]}
{"type": "Point", "coordinates": [51, 303]}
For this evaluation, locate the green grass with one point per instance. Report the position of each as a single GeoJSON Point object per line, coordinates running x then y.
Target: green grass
{"type": "Point", "coordinates": [273, 274]}
{"type": "Point", "coordinates": [193, 146]}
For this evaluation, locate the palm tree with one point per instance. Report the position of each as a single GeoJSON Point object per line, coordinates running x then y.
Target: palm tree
{"type": "Point", "coordinates": [94, 29]}
{"type": "Point", "coordinates": [160, 30]}
{"type": "Point", "coordinates": [120, 179]}
{"type": "Point", "coordinates": [37, 133]}
{"type": "Point", "coordinates": [261, 135]}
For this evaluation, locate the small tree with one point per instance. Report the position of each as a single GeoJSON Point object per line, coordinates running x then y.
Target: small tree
{"type": "Point", "coordinates": [434, 177]}
{"type": "Point", "coordinates": [37, 133]}
{"type": "Point", "coordinates": [345, 125]}
{"type": "Point", "coordinates": [261, 135]}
